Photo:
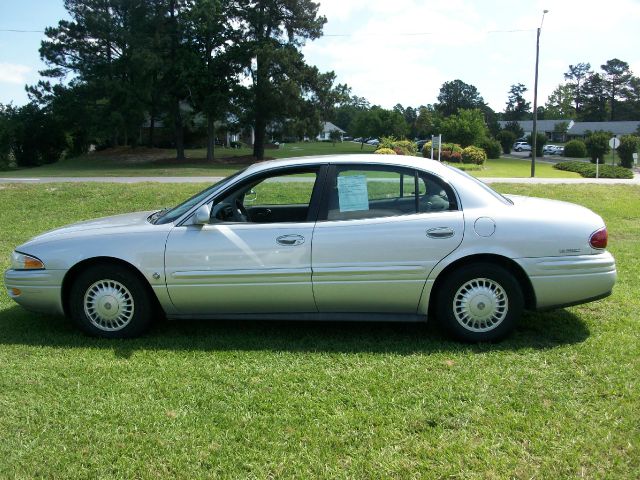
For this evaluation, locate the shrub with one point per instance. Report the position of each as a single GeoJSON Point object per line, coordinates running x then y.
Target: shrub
{"type": "Point", "coordinates": [597, 144]}
{"type": "Point", "coordinates": [401, 147]}
{"type": "Point", "coordinates": [575, 149]}
{"type": "Point", "coordinates": [385, 151]}
{"type": "Point", "coordinates": [451, 157]}
{"type": "Point", "coordinates": [506, 139]}
{"type": "Point", "coordinates": [446, 150]}
{"type": "Point", "coordinates": [475, 155]}
{"type": "Point", "coordinates": [491, 147]}
{"type": "Point", "coordinates": [588, 170]}
{"type": "Point", "coordinates": [628, 146]}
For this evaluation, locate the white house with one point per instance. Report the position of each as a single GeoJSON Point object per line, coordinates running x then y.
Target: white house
{"type": "Point", "coordinates": [327, 128]}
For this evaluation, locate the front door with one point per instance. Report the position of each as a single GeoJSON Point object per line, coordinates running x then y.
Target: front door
{"type": "Point", "coordinates": [255, 254]}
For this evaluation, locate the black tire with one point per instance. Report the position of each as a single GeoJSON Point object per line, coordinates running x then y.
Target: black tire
{"type": "Point", "coordinates": [110, 301]}
{"type": "Point", "coordinates": [481, 302]}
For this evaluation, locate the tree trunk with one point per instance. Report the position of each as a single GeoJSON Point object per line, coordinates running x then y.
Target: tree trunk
{"type": "Point", "coordinates": [152, 127]}
{"type": "Point", "coordinates": [179, 131]}
{"type": "Point", "coordinates": [260, 133]}
{"type": "Point", "coordinates": [210, 139]}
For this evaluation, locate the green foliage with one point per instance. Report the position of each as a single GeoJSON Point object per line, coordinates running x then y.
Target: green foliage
{"type": "Point", "coordinates": [450, 152]}
{"type": "Point", "coordinates": [457, 95]}
{"type": "Point", "coordinates": [385, 151]}
{"type": "Point", "coordinates": [597, 144]}
{"type": "Point", "coordinates": [401, 147]}
{"type": "Point", "coordinates": [474, 155]}
{"type": "Point", "coordinates": [506, 139]}
{"type": "Point", "coordinates": [541, 140]}
{"type": "Point", "coordinates": [575, 149]}
{"type": "Point", "coordinates": [588, 170]}
{"type": "Point", "coordinates": [335, 136]}
{"type": "Point", "coordinates": [517, 107]}
{"type": "Point", "coordinates": [514, 127]}
{"type": "Point", "coordinates": [628, 146]}
{"type": "Point", "coordinates": [465, 128]}
{"type": "Point", "coordinates": [491, 147]}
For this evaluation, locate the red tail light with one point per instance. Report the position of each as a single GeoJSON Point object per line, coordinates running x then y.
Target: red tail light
{"type": "Point", "coordinates": [599, 238]}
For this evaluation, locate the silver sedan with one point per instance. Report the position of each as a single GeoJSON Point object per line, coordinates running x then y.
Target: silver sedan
{"type": "Point", "coordinates": [367, 237]}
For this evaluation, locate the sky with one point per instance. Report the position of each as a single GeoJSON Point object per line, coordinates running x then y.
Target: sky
{"type": "Point", "coordinates": [402, 51]}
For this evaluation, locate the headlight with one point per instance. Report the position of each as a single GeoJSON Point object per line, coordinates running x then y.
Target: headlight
{"type": "Point", "coordinates": [20, 261]}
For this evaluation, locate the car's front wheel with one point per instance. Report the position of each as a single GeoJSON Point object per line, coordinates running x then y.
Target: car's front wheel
{"type": "Point", "coordinates": [110, 301]}
{"type": "Point", "coordinates": [479, 303]}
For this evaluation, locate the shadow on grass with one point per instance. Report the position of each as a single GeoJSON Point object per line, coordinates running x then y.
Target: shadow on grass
{"type": "Point", "coordinates": [536, 331]}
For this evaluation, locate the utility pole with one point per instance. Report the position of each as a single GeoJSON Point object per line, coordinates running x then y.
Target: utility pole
{"type": "Point", "coordinates": [534, 134]}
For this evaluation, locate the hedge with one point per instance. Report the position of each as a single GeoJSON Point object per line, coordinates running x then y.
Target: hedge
{"type": "Point", "coordinates": [588, 170]}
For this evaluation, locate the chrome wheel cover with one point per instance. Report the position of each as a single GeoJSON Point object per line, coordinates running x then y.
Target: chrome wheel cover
{"type": "Point", "coordinates": [480, 305]}
{"type": "Point", "coordinates": [108, 305]}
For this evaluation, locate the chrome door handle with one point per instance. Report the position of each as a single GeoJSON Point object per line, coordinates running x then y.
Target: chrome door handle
{"type": "Point", "coordinates": [290, 240]}
{"type": "Point", "coordinates": [440, 232]}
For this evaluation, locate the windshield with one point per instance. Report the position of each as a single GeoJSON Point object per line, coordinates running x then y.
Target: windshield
{"type": "Point", "coordinates": [484, 186]}
{"type": "Point", "coordinates": [171, 215]}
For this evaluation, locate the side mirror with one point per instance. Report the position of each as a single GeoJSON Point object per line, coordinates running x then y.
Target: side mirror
{"type": "Point", "coordinates": [202, 215]}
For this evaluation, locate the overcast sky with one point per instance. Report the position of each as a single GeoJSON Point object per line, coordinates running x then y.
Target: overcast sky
{"type": "Point", "coordinates": [401, 51]}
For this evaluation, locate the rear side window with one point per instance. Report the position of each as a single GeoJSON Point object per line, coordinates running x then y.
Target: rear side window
{"type": "Point", "coordinates": [384, 191]}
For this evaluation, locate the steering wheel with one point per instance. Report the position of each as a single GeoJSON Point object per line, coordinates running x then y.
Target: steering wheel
{"type": "Point", "coordinates": [240, 213]}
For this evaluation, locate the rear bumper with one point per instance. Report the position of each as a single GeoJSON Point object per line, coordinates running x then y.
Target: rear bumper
{"type": "Point", "coordinates": [39, 290]}
{"type": "Point", "coordinates": [570, 280]}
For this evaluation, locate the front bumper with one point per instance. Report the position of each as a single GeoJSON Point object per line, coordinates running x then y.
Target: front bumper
{"type": "Point", "coordinates": [39, 290]}
{"type": "Point", "coordinates": [570, 280]}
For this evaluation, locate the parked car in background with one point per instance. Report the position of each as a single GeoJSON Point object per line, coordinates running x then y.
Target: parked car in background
{"type": "Point", "coordinates": [549, 149]}
{"type": "Point", "coordinates": [373, 141]}
{"type": "Point", "coordinates": [559, 150]}
{"type": "Point", "coordinates": [344, 237]}
{"type": "Point", "coordinates": [521, 146]}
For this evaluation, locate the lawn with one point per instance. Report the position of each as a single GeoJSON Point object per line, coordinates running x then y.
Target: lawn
{"type": "Point", "coordinates": [158, 162]}
{"type": "Point", "coordinates": [558, 399]}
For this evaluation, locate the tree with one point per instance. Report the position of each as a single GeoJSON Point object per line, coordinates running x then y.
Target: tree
{"type": "Point", "coordinates": [595, 107]}
{"type": "Point", "coordinates": [616, 80]}
{"type": "Point", "coordinates": [541, 140]}
{"type": "Point", "coordinates": [465, 128]}
{"type": "Point", "coordinates": [628, 146]}
{"type": "Point", "coordinates": [506, 139]}
{"type": "Point", "coordinates": [335, 136]}
{"type": "Point", "coordinates": [576, 75]}
{"type": "Point", "coordinates": [427, 121]}
{"type": "Point", "coordinates": [366, 123]}
{"type": "Point", "coordinates": [273, 32]}
{"type": "Point", "coordinates": [517, 107]}
{"type": "Point", "coordinates": [559, 105]}
{"type": "Point", "coordinates": [597, 144]}
{"type": "Point", "coordinates": [515, 128]}
{"type": "Point", "coordinates": [456, 95]}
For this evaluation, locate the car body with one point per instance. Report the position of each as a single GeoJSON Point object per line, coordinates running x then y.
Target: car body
{"type": "Point", "coordinates": [559, 150]}
{"type": "Point", "coordinates": [353, 237]}
{"type": "Point", "coordinates": [521, 146]}
{"type": "Point", "coordinates": [549, 149]}
{"type": "Point", "coordinates": [373, 141]}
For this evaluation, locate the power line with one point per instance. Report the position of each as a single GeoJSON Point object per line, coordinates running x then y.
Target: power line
{"type": "Point", "coordinates": [20, 31]}
{"type": "Point", "coordinates": [415, 34]}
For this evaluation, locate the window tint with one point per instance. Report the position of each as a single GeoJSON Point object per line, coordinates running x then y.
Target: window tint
{"type": "Point", "coordinates": [371, 192]}
{"type": "Point", "coordinates": [374, 191]}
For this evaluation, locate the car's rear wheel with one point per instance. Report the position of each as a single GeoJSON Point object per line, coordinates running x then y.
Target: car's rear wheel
{"type": "Point", "coordinates": [110, 301]}
{"type": "Point", "coordinates": [479, 303]}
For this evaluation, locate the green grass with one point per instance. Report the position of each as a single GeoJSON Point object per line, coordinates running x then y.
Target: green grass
{"type": "Point", "coordinates": [515, 168]}
{"type": "Point", "coordinates": [558, 399]}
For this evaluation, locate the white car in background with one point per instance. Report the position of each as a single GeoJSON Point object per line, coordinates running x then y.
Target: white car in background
{"type": "Point", "coordinates": [349, 237]}
{"type": "Point", "coordinates": [521, 147]}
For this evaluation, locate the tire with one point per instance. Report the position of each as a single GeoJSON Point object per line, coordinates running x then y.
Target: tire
{"type": "Point", "coordinates": [110, 301]}
{"type": "Point", "coordinates": [481, 302]}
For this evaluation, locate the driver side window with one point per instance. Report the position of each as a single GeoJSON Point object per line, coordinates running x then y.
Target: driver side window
{"type": "Point", "coordinates": [282, 197]}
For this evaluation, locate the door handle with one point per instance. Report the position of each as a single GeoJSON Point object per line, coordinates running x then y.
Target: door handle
{"type": "Point", "coordinates": [440, 232]}
{"type": "Point", "coordinates": [290, 240]}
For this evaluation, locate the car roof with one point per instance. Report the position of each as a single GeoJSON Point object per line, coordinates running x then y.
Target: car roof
{"type": "Point", "coordinates": [398, 160]}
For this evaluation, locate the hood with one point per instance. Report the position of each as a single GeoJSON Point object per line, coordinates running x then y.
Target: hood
{"type": "Point", "coordinates": [115, 222]}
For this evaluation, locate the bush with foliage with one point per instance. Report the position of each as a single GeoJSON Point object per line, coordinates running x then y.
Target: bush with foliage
{"type": "Point", "coordinates": [541, 140]}
{"type": "Point", "coordinates": [588, 170]}
{"type": "Point", "coordinates": [475, 155]}
{"type": "Point", "coordinates": [628, 146]}
{"type": "Point", "coordinates": [491, 147]}
{"type": "Point", "coordinates": [597, 144]}
{"type": "Point", "coordinates": [506, 138]}
{"type": "Point", "coordinates": [466, 127]}
{"type": "Point", "coordinates": [448, 151]}
{"type": "Point", "coordinates": [575, 149]}
{"type": "Point", "coordinates": [401, 147]}
{"type": "Point", "coordinates": [385, 151]}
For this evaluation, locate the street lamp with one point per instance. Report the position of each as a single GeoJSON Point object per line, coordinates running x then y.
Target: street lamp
{"type": "Point", "coordinates": [535, 102]}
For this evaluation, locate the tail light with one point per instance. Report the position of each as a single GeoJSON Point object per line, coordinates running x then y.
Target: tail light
{"type": "Point", "coordinates": [599, 238]}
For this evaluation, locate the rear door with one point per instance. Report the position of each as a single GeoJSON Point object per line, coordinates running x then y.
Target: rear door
{"type": "Point", "coordinates": [382, 231]}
